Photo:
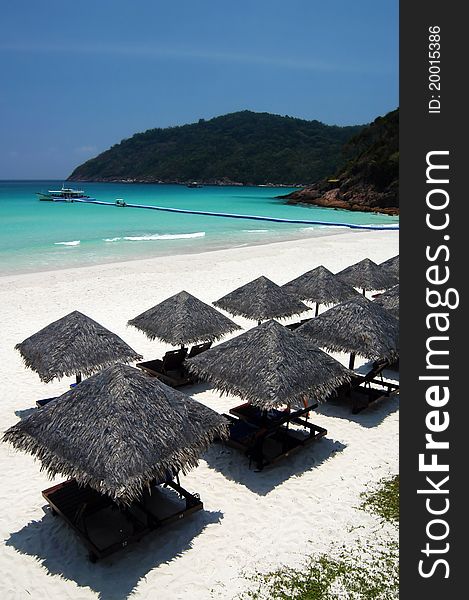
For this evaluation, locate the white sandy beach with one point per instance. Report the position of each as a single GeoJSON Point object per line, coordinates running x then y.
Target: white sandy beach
{"type": "Point", "coordinates": [302, 505]}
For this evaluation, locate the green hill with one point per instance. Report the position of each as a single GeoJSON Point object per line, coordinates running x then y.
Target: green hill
{"type": "Point", "coordinates": [370, 179]}
{"type": "Point", "coordinates": [243, 147]}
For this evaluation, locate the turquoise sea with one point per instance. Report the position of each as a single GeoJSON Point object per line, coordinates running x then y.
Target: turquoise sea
{"type": "Point", "coordinates": [39, 236]}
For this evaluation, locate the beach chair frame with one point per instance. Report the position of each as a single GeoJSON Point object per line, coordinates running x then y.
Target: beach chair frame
{"type": "Point", "coordinates": [249, 434]}
{"type": "Point", "coordinates": [171, 370]}
{"type": "Point", "coordinates": [360, 391]}
{"type": "Point", "coordinates": [76, 503]}
{"type": "Point", "coordinates": [294, 326]}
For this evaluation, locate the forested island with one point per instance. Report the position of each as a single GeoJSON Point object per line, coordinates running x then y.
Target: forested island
{"type": "Point", "coordinates": [245, 148]}
{"type": "Point", "coordinates": [369, 181]}
{"type": "Point", "coordinates": [353, 168]}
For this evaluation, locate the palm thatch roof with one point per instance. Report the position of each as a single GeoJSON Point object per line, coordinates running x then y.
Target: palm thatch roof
{"type": "Point", "coordinates": [183, 319]}
{"type": "Point", "coordinates": [270, 366]}
{"type": "Point", "coordinates": [390, 300]}
{"type": "Point", "coordinates": [392, 265]}
{"type": "Point", "coordinates": [320, 286]}
{"type": "Point", "coordinates": [118, 431]}
{"type": "Point", "coordinates": [74, 344]}
{"type": "Point", "coordinates": [358, 326]}
{"type": "Point", "coordinates": [261, 299]}
{"type": "Point", "coordinates": [367, 275]}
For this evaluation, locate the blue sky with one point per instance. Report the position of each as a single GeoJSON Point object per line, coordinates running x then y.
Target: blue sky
{"type": "Point", "coordinates": [78, 77]}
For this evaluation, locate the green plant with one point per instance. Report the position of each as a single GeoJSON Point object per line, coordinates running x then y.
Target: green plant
{"type": "Point", "coordinates": [384, 501]}
{"type": "Point", "coordinates": [361, 573]}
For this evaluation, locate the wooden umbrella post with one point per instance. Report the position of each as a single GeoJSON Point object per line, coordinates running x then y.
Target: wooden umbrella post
{"type": "Point", "coordinates": [305, 401]}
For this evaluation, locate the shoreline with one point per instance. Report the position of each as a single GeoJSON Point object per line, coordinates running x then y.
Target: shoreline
{"type": "Point", "coordinates": [109, 265]}
{"type": "Point", "coordinates": [221, 183]}
{"type": "Point", "coordinates": [338, 204]}
{"type": "Point", "coordinates": [79, 238]}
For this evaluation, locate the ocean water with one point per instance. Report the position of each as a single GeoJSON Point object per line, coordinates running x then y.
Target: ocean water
{"type": "Point", "coordinates": [40, 236]}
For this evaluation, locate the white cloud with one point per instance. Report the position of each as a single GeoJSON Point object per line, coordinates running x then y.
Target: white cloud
{"type": "Point", "coordinates": [180, 53]}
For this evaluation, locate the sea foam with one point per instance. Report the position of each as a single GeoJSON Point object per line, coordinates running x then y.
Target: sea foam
{"type": "Point", "coordinates": [164, 236]}
{"type": "Point", "coordinates": [316, 227]}
{"type": "Point", "coordinates": [72, 243]}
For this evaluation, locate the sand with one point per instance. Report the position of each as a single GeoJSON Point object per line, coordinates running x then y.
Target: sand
{"type": "Point", "coordinates": [304, 504]}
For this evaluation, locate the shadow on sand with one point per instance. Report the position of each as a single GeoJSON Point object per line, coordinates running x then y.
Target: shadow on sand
{"type": "Point", "coordinates": [25, 413]}
{"type": "Point", "coordinates": [371, 416]}
{"type": "Point", "coordinates": [51, 542]}
{"type": "Point", "coordinates": [235, 466]}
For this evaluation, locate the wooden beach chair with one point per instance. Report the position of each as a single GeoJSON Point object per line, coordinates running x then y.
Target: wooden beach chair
{"type": "Point", "coordinates": [41, 403]}
{"type": "Point", "coordinates": [293, 326]}
{"type": "Point", "coordinates": [44, 401]}
{"type": "Point", "coordinates": [267, 442]}
{"type": "Point", "coordinates": [170, 369]}
{"type": "Point", "coordinates": [105, 527]}
{"type": "Point", "coordinates": [257, 416]}
{"type": "Point", "coordinates": [360, 391]}
{"type": "Point", "coordinates": [199, 348]}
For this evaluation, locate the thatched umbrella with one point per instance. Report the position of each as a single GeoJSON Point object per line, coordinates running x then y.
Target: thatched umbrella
{"type": "Point", "coordinates": [367, 275]}
{"type": "Point", "coordinates": [392, 265]}
{"type": "Point", "coordinates": [183, 319]}
{"type": "Point", "coordinates": [261, 299]}
{"type": "Point", "coordinates": [320, 286]}
{"type": "Point", "coordinates": [358, 326]}
{"type": "Point", "coordinates": [118, 431]}
{"type": "Point", "coordinates": [270, 366]}
{"type": "Point", "coordinates": [390, 300]}
{"type": "Point", "coordinates": [74, 345]}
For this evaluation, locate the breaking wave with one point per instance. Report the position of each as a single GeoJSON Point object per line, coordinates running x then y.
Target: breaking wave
{"type": "Point", "coordinates": [157, 236]}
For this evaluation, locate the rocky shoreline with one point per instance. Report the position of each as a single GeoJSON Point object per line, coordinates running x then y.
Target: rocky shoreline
{"type": "Point", "coordinates": [369, 182]}
{"type": "Point", "coordinates": [363, 199]}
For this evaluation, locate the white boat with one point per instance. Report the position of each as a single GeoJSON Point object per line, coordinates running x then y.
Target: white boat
{"type": "Point", "coordinates": [63, 195]}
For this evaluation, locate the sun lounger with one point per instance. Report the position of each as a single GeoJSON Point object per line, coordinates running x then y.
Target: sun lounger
{"type": "Point", "coordinates": [199, 348]}
{"type": "Point", "coordinates": [375, 376]}
{"type": "Point", "coordinates": [293, 326]}
{"type": "Point", "coordinates": [265, 444]}
{"type": "Point", "coordinates": [257, 416]}
{"type": "Point", "coordinates": [44, 401]}
{"type": "Point", "coordinates": [360, 391]}
{"type": "Point", "coordinates": [170, 369]}
{"type": "Point", "coordinates": [41, 403]}
{"type": "Point", "coordinates": [361, 396]}
{"type": "Point", "coordinates": [105, 527]}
